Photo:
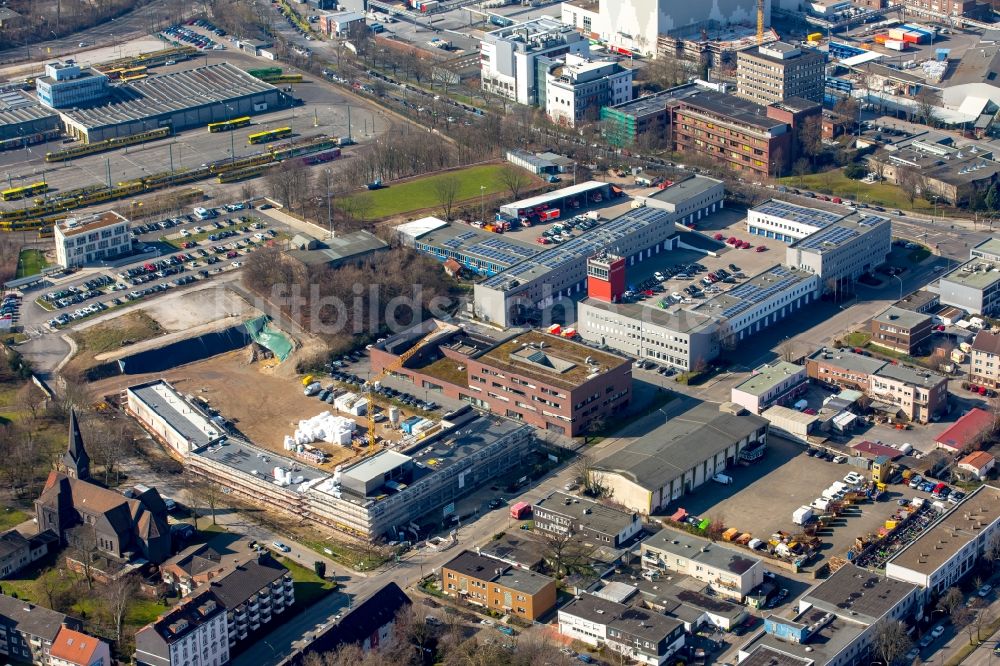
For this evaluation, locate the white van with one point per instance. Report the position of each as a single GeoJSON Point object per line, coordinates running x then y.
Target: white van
{"type": "Point", "coordinates": [723, 479]}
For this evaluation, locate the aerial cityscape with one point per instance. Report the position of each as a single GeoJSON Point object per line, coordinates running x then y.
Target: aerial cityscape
{"type": "Point", "coordinates": [499, 332]}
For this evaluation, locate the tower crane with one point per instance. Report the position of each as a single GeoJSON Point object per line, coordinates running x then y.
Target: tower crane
{"type": "Point", "coordinates": [760, 22]}
{"type": "Point", "coordinates": [370, 386]}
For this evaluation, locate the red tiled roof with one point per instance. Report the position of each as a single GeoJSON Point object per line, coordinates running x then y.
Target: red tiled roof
{"type": "Point", "coordinates": [74, 647]}
{"type": "Point", "coordinates": [873, 449]}
{"type": "Point", "coordinates": [966, 429]}
{"type": "Point", "coordinates": [977, 459]}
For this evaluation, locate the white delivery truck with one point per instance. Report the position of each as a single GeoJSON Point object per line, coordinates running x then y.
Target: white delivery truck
{"type": "Point", "coordinates": [802, 515]}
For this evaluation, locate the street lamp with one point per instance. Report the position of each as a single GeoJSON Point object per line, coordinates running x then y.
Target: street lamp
{"type": "Point", "coordinates": [900, 286]}
{"type": "Point", "coordinates": [482, 203]}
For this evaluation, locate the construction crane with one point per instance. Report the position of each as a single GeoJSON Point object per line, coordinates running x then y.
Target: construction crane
{"type": "Point", "coordinates": [760, 22]}
{"type": "Point", "coordinates": [370, 386]}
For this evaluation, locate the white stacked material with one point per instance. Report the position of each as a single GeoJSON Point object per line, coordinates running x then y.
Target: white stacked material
{"type": "Point", "coordinates": [323, 427]}
{"type": "Point", "coordinates": [343, 403]}
{"type": "Point", "coordinates": [422, 425]}
{"type": "Point", "coordinates": [359, 408]}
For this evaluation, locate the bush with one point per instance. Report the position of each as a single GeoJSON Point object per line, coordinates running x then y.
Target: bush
{"type": "Point", "coordinates": [855, 171]}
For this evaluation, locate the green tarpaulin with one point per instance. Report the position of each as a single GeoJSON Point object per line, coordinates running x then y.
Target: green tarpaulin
{"type": "Point", "coordinates": [262, 333]}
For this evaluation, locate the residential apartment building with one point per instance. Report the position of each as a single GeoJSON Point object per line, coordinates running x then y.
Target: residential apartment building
{"type": "Point", "coordinates": [67, 85]}
{"type": "Point", "coordinates": [369, 624]}
{"type": "Point", "coordinates": [728, 572]}
{"type": "Point", "coordinates": [950, 547]}
{"type": "Point", "coordinates": [18, 551]}
{"type": "Point", "coordinates": [776, 384]}
{"type": "Point", "coordinates": [550, 382]}
{"type": "Point", "coordinates": [512, 58]}
{"type": "Point", "coordinates": [197, 565]}
{"type": "Point", "coordinates": [643, 635]}
{"type": "Point", "coordinates": [984, 361]}
{"type": "Point", "coordinates": [732, 131]}
{"type": "Point", "coordinates": [253, 594]}
{"type": "Point", "coordinates": [484, 581]}
{"type": "Point", "coordinates": [193, 633]}
{"type": "Point", "coordinates": [902, 330]}
{"type": "Point", "coordinates": [775, 72]}
{"type": "Point", "coordinates": [74, 648]}
{"type": "Point", "coordinates": [28, 631]}
{"type": "Point", "coordinates": [682, 454]}
{"type": "Point", "coordinates": [935, 8]}
{"type": "Point", "coordinates": [87, 240]}
{"type": "Point", "coordinates": [896, 390]}
{"type": "Point", "coordinates": [561, 513]}
{"type": "Point", "coordinates": [576, 87]}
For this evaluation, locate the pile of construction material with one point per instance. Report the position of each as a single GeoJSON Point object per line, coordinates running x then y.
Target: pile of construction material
{"type": "Point", "coordinates": [323, 427]}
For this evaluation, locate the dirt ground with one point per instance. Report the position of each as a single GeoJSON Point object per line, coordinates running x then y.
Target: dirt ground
{"type": "Point", "coordinates": [263, 406]}
{"type": "Point", "coordinates": [181, 311]}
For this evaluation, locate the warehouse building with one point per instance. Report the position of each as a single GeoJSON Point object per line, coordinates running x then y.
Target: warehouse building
{"type": "Point", "coordinates": [951, 547]}
{"type": "Point", "coordinates": [180, 100]}
{"type": "Point", "coordinates": [526, 289]}
{"type": "Point", "coordinates": [171, 418]}
{"type": "Point", "coordinates": [682, 454]}
{"type": "Point", "coordinates": [23, 121]}
{"type": "Point", "coordinates": [482, 252]}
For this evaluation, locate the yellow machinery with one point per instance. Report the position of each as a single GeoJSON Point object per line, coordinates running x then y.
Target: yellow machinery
{"type": "Point", "coordinates": [403, 358]}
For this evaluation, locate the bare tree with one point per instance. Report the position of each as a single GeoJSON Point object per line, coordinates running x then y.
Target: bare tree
{"type": "Point", "coordinates": [514, 179]}
{"type": "Point", "coordinates": [563, 551]}
{"type": "Point", "coordinates": [951, 600]}
{"type": "Point", "coordinates": [84, 548]}
{"type": "Point", "coordinates": [787, 350]}
{"type": "Point", "coordinates": [583, 470]}
{"type": "Point", "coordinates": [926, 110]}
{"type": "Point", "coordinates": [117, 597]}
{"type": "Point", "coordinates": [963, 618]}
{"type": "Point", "coordinates": [207, 494]}
{"type": "Point", "coordinates": [110, 443]}
{"type": "Point", "coordinates": [890, 641]}
{"type": "Point", "coordinates": [446, 192]}
{"type": "Point", "coordinates": [911, 182]}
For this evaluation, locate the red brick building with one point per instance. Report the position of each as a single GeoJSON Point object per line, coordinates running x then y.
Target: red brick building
{"type": "Point", "coordinates": [545, 380]}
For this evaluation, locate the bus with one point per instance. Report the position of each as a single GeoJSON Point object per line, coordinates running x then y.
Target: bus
{"type": "Point", "coordinates": [15, 193]}
{"type": "Point", "coordinates": [226, 125]}
{"type": "Point", "coordinates": [270, 135]}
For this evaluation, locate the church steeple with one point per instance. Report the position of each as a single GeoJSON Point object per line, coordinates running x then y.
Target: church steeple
{"type": "Point", "coordinates": [75, 460]}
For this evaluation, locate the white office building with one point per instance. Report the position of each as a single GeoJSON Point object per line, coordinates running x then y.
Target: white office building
{"type": "Point", "coordinates": [85, 240]}
{"type": "Point", "coordinates": [67, 85]}
{"type": "Point", "coordinates": [730, 573]}
{"type": "Point", "coordinates": [510, 57]}
{"type": "Point", "coordinates": [579, 86]}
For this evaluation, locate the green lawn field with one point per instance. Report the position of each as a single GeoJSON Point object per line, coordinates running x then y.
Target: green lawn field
{"type": "Point", "coordinates": [420, 193]}
{"type": "Point", "coordinates": [30, 262]}
{"type": "Point", "coordinates": [837, 184]}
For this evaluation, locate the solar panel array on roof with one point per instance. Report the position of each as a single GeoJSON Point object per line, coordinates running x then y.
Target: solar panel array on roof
{"type": "Point", "coordinates": [830, 236]}
{"type": "Point", "coordinates": [460, 239]}
{"type": "Point", "coordinates": [800, 214]}
{"type": "Point", "coordinates": [752, 293]}
{"type": "Point", "coordinates": [870, 220]}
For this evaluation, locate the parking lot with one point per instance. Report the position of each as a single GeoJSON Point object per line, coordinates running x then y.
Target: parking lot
{"type": "Point", "coordinates": [762, 498]}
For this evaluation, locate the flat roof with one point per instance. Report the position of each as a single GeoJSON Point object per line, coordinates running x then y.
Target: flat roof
{"type": "Point", "coordinates": [821, 646]}
{"type": "Point", "coordinates": [656, 102]}
{"type": "Point", "coordinates": [976, 273]}
{"type": "Point", "coordinates": [376, 466]}
{"type": "Point", "coordinates": [865, 595]}
{"type": "Point", "coordinates": [562, 192]}
{"type": "Point", "coordinates": [682, 596]}
{"type": "Point", "coordinates": [682, 321]}
{"type": "Point", "coordinates": [915, 376]}
{"type": "Point", "coordinates": [813, 217]}
{"type": "Point", "coordinates": [712, 554]}
{"type": "Point", "coordinates": [680, 444]}
{"type": "Point", "coordinates": [767, 377]}
{"type": "Point", "coordinates": [162, 399]}
{"type": "Point", "coordinates": [530, 158]}
{"type": "Point", "coordinates": [550, 359]}
{"type": "Point", "coordinates": [596, 516]}
{"type": "Point", "coordinates": [600, 238]}
{"type": "Point", "coordinates": [938, 543]}
{"type": "Point", "coordinates": [461, 239]}
{"type": "Point", "coordinates": [848, 360]}
{"type": "Point", "coordinates": [917, 300]}
{"type": "Point", "coordinates": [788, 414]}
{"type": "Point", "coordinates": [258, 462]}
{"type": "Point", "coordinates": [647, 624]}
{"type": "Point", "coordinates": [765, 655]}
{"type": "Point", "coordinates": [173, 92]}
{"type": "Point", "coordinates": [990, 246]}
{"type": "Point", "coordinates": [841, 232]}
{"type": "Point", "coordinates": [73, 226]}
{"type": "Point", "coordinates": [901, 317]}
{"type": "Point", "coordinates": [732, 107]}
{"type": "Point", "coordinates": [682, 190]}
{"type": "Point", "coordinates": [758, 289]}
{"type": "Point", "coordinates": [17, 108]}
{"type": "Point", "coordinates": [417, 228]}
